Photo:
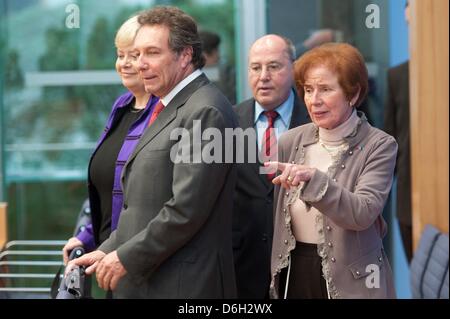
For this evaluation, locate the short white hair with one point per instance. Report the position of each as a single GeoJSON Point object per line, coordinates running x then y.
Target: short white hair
{"type": "Point", "coordinates": [127, 32]}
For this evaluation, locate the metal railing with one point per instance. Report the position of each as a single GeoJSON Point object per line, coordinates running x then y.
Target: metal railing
{"type": "Point", "coordinates": [28, 267]}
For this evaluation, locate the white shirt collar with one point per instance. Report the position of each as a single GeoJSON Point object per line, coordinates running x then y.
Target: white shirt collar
{"type": "Point", "coordinates": [181, 85]}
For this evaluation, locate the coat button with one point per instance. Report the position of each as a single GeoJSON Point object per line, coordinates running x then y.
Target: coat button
{"type": "Point", "coordinates": [125, 206]}
{"type": "Point", "coordinates": [334, 180]}
{"type": "Point", "coordinates": [287, 194]}
{"type": "Point", "coordinates": [330, 244]}
{"type": "Point", "coordinates": [350, 153]}
{"type": "Point", "coordinates": [296, 148]}
{"type": "Point", "coordinates": [284, 210]}
{"type": "Point", "coordinates": [380, 259]}
{"type": "Point", "coordinates": [342, 166]}
{"type": "Point", "coordinates": [285, 242]}
{"type": "Point", "coordinates": [280, 256]}
{"type": "Point", "coordinates": [268, 200]}
{"type": "Point", "coordinates": [333, 259]}
{"type": "Point", "coordinates": [264, 237]}
{"type": "Point", "coordinates": [328, 228]}
{"type": "Point", "coordinates": [358, 273]}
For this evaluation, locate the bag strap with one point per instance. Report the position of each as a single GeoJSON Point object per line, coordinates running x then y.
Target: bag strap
{"type": "Point", "coordinates": [443, 279]}
{"type": "Point", "coordinates": [55, 284]}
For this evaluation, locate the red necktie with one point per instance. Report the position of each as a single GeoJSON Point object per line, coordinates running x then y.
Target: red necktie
{"type": "Point", "coordinates": [269, 144]}
{"type": "Point", "coordinates": [158, 108]}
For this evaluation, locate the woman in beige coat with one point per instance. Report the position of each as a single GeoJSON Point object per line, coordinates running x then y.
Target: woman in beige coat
{"type": "Point", "coordinates": [336, 174]}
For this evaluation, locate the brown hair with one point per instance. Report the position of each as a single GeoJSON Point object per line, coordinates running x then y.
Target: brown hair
{"type": "Point", "coordinates": [182, 30]}
{"type": "Point", "coordinates": [210, 41]}
{"type": "Point", "coordinates": [342, 59]}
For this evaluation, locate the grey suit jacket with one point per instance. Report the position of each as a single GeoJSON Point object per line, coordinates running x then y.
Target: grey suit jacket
{"type": "Point", "coordinates": [253, 212]}
{"type": "Point", "coordinates": [351, 197]}
{"type": "Point", "coordinates": [174, 232]}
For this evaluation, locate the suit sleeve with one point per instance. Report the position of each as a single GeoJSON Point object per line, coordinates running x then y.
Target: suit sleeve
{"type": "Point", "coordinates": [109, 244]}
{"type": "Point", "coordinates": [196, 187]}
{"type": "Point", "coordinates": [87, 237]}
{"type": "Point", "coordinates": [359, 209]}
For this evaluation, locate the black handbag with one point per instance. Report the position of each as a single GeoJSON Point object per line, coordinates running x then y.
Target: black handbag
{"type": "Point", "coordinates": [75, 285]}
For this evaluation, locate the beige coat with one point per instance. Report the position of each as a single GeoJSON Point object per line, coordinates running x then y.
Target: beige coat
{"type": "Point", "coordinates": [351, 197]}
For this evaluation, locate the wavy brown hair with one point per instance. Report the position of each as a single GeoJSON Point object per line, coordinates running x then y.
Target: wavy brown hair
{"type": "Point", "coordinates": [342, 59]}
{"type": "Point", "coordinates": [182, 27]}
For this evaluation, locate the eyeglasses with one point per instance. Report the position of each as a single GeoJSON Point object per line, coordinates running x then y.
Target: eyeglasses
{"type": "Point", "coordinates": [272, 68]}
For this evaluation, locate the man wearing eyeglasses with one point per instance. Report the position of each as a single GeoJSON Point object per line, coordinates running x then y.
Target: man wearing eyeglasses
{"type": "Point", "coordinates": [274, 109]}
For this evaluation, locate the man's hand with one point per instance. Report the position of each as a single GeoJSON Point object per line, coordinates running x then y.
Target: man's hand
{"type": "Point", "coordinates": [109, 271]}
{"type": "Point", "coordinates": [90, 260]}
{"type": "Point", "coordinates": [71, 244]}
{"type": "Point", "coordinates": [319, 37]}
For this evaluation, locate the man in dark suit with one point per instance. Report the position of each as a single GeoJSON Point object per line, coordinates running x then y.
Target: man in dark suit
{"type": "Point", "coordinates": [173, 239]}
{"type": "Point", "coordinates": [396, 123]}
{"type": "Point", "coordinates": [270, 77]}
{"type": "Point", "coordinates": [221, 74]}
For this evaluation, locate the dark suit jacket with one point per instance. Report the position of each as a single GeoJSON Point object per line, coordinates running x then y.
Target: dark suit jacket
{"type": "Point", "coordinates": [253, 212]}
{"type": "Point", "coordinates": [174, 232]}
{"type": "Point", "coordinates": [396, 123]}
